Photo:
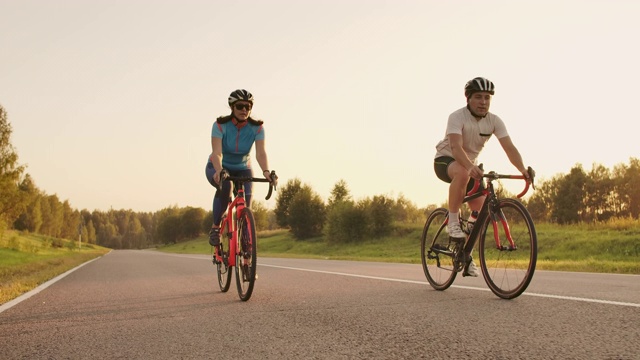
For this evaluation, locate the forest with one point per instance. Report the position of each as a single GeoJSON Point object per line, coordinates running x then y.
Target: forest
{"type": "Point", "coordinates": [579, 196]}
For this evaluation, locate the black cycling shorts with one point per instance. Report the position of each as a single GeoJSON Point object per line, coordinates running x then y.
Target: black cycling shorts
{"type": "Point", "coordinates": [440, 166]}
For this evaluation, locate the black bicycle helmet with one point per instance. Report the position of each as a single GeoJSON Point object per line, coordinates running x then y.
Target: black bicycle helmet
{"type": "Point", "coordinates": [478, 84]}
{"type": "Point", "coordinates": [240, 94]}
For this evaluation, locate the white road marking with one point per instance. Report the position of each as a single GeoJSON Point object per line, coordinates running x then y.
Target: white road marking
{"type": "Point", "coordinates": [571, 298]}
{"type": "Point", "coordinates": [29, 294]}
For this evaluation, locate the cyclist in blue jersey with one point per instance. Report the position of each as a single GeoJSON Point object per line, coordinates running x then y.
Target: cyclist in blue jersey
{"type": "Point", "coordinates": [232, 137]}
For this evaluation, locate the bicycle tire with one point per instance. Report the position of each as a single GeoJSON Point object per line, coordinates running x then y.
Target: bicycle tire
{"type": "Point", "coordinates": [437, 251]}
{"type": "Point", "coordinates": [222, 269]}
{"type": "Point", "coordinates": [508, 271]}
{"type": "Point", "coordinates": [246, 256]}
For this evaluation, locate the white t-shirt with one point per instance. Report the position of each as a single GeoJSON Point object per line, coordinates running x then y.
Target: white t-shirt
{"type": "Point", "coordinates": [475, 133]}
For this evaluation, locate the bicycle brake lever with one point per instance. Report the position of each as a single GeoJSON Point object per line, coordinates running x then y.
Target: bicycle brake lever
{"type": "Point", "coordinates": [224, 174]}
{"type": "Point", "coordinates": [274, 179]}
{"type": "Point", "coordinates": [532, 175]}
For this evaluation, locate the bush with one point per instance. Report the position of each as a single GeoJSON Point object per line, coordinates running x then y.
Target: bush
{"type": "Point", "coordinates": [346, 223]}
{"type": "Point", "coordinates": [379, 214]}
{"type": "Point", "coordinates": [306, 214]}
{"type": "Point", "coordinates": [57, 243]}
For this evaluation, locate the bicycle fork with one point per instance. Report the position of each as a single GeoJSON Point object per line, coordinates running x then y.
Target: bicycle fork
{"type": "Point", "coordinates": [227, 258]}
{"type": "Point", "coordinates": [499, 216]}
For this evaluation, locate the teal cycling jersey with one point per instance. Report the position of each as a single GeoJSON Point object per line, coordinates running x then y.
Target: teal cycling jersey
{"type": "Point", "coordinates": [237, 141]}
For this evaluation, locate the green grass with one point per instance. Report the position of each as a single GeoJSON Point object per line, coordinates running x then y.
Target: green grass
{"type": "Point", "coordinates": [605, 248]}
{"type": "Point", "coordinates": [28, 260]}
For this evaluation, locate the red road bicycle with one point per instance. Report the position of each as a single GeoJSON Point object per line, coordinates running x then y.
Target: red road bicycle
{"type": "Point", "coordinates": [238, 238]}
{"type": "Point", "coordinates": [506, 236]}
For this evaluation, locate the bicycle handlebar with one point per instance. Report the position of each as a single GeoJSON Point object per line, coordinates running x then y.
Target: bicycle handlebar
{"type": "Point", "coordinates": [492, 175]}
{"type": "Point", "coordinates": [224, 175]}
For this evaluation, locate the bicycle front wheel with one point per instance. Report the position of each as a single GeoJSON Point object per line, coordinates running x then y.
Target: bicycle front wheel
{"type": "Point", "coordinates": [508, 249]}
{"type": "Point", "coordinates": [246, 261]}
{"type": "Point", "coordinates": [437, 251]}
{"type": "Point", "coordinates": [222, 268]}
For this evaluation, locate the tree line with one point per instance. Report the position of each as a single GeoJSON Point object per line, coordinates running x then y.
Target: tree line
{"type": "Point", "coordinates": [578, 196]}
{"type": "Point", "coordinates": [589, 196]}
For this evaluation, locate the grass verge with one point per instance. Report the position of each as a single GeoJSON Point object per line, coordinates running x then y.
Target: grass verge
{"type": "Point", "coordinates": [562, 248]}
{"type": "Point", "coordinates": [28, 260]}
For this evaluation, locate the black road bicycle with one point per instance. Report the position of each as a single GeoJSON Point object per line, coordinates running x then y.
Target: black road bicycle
{"type": "Point", "coordinates": [506, 237]}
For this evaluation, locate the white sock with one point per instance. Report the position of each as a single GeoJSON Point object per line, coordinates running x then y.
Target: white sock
{"type": "Point", "coordinates": [453, 219]}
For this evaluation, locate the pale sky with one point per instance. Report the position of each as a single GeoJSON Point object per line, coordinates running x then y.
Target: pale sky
{"type": "Point", "coordinates": [112, 102]}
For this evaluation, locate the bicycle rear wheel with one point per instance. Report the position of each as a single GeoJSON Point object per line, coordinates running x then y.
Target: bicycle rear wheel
{"type": "Point", "coordinates": [437, 251]}
{"type": "Point", "coordinates": [508, 270]}
{"type": "Point", "coordinates": [223, 269]}
{"type": "Point", "coordinates": [246, 261]}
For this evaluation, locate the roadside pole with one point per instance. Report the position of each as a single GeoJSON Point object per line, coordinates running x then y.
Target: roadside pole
{"type": "Point", "coordinates": [80, 227]}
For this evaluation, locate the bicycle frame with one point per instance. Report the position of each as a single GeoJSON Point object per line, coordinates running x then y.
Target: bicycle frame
{"type": "Point", "coordinates": [237, 205]}
{"type": "Point", "coordinates": [490, 208]}
{"type": "Point", "coordinates": [231, 227]}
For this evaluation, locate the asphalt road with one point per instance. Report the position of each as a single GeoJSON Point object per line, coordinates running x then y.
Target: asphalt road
{"type": "Point", "coordinates": [149, 305]}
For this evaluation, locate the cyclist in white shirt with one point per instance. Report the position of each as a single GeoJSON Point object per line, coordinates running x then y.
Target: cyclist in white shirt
{"type": "Point", "coordinates": [468, 129]}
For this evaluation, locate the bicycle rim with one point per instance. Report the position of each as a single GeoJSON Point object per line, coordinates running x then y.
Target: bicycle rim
{"type": "Point", "coordinates": [437, 251]}
{"type": "Point", "coordinates": [246, 255]}
{"type": "Point", "coordinates": [509, 271]}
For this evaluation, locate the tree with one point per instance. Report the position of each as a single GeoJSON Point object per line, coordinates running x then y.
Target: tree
{"type": "Point", "coordinates": [192, 222]}
{"type": "Point", "coordinates": [568, 202]}
{"type": "Point", "coordinates": [169, 230]}
{"type": "Point", "coordinates": [164, 233]}
{"type": "Point", "coordinates": [91, 233]}
{"type": "Point", "coordinates": [541, 203]}
{"type": "Point", "coordinates": [207, 221]}
{"type": "Point", "coordinates": [260, 215]}
{"type": "Point", "coordinates": [632, 187]}
{"type": "Point", "coordinates": [345, 222]}
{"type": "Point", "coordinates": [12, 200]}
{"type": "Point", "coordinates": [70, 222]}
{"type": "Point", "coordinates": [52, 216]}
{"type": "Point", "coordinates": [136, 236]}
{"type": "Point", "coordinates": [31, 218]}
{"type": "Point", "coordinates": [283, 202]}
{"type": "Point", "coordinates": [339, 193]}
{"type": "Point", "coordinates": [306, 213]}
{"type": "Point", "coordinates": [619, 199]}
{"type": "Point", "coordinates": [598, 194]}
{"type": "Point", "coordinates": [406, 211]}
{"type": "Point", "coordinates": [379, 212]}
{"type": "Point", "coordinates": [108, 236]}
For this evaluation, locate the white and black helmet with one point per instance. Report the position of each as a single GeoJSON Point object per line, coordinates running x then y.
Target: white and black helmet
{"type": "Point", "coordinates": [240, 94]}
{"type": "Point", "coordinates": [478, 84]}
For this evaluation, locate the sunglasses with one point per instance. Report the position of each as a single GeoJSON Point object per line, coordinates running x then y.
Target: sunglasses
{"type": "Point", "coordinates": [242, 106]}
